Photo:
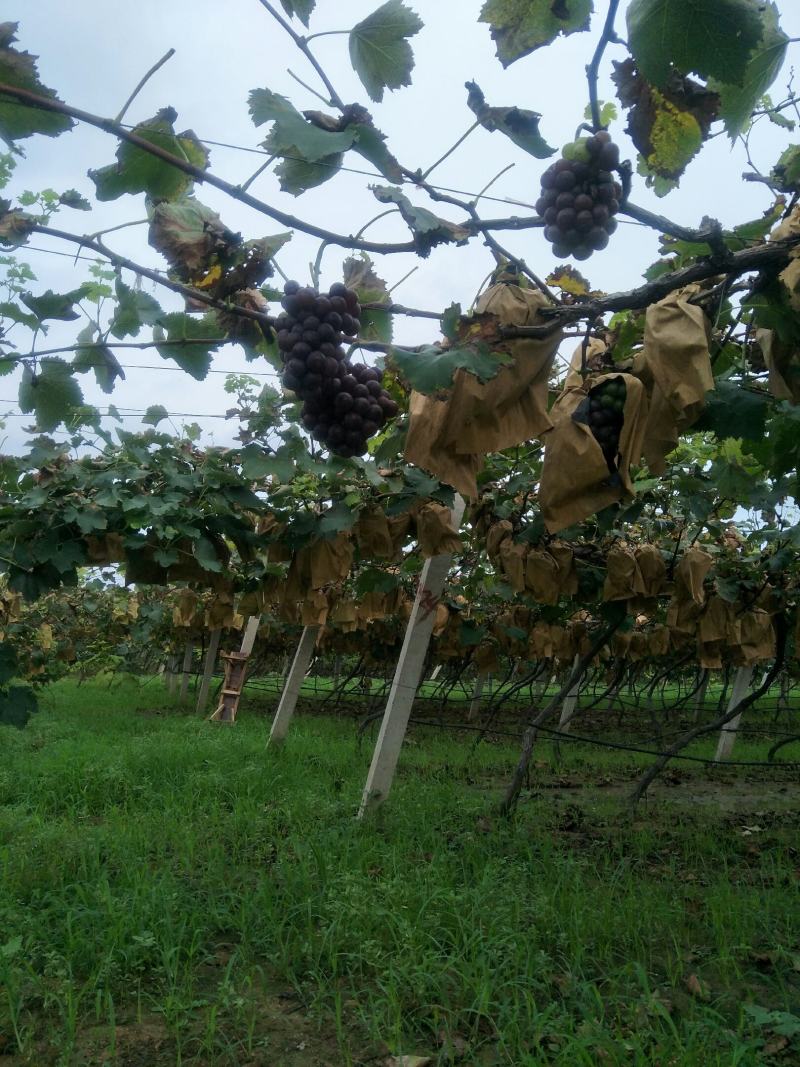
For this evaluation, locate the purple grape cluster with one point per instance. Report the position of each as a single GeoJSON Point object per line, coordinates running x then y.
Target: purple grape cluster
{"type": "Point", "coordinates": [580, 197]}
{"type": "Point", "coordinates": [344, 404]}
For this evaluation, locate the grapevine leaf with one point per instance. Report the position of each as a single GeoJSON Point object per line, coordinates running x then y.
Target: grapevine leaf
{"type": "Point", "coordinates": [337, 518]}
{"type": "Point", "coordinates": [155, 414]}
{"type": "Point", "coordinates": [16, 314]}
{"type": "Point", "coordinates": [51, 393]}
{"type": "Point", "coordinates": [103, 362]}
{"type": "Point", "coordinates": [732, 411]}
{"type": "Point", "coordinates": [293, 134]}
{"type": "Point", "coordinates": [206, 554]}
{"type": "Point", "coordinates": [8, 662]}
{"type": "Point", "coordinates": [772, 310]}
{"type": "Point", "coordinates": [189, 235]}
{"type": "Point", "coordinates": [431, 369]}
{"type": "Point", "coordinates": [370, 143]}
{"type": "Point", "coordinates": [787, 170]}
{"type": "Point", "coordinates": [608, 112]}
{"type": "Point", "coordinates": [569, 280]}
{"type": "Point", "coordinates": [195, 359]}
{"type": "Point", "coordinates": [519, 27]}
{"type": "Point", "coordinates": [258, 464]}
{"type": "Point", "coordinates": [300, 9]}
{"type": "Point", "coordinates": [668, 127]}
{"type": "Point", "coordinates": [742, 236]}
{"type": "Point", "coordinates": [18, 69]}
{"type": "Point", "coordinates": [374, 580]}
{"type": "Point", "coordinates": [358, 274]}
{"type": "Point", "coordinates": [137, 171]}
{"type": "Point", "coordinates": [713, 38]}
{"type": "Point", "coordinates": [451, 320]}
{"type": "Point", "coordinates": [520, 126]}
{"type": "Point", "coordinates": [296, 174]}
{"type": "Point", "coordinates": [761, 71]}
{"type": "Point", "coordinates": [52, 305]}
{"type": "Point", "coordinates": [72, 198]}
{"type": "Point", "coordinates": [15, 225]}
{"type": "Point", "coordinates": [134, 309]}
{"type": "Point", "coordinates": [380, 54]}
{"type": "Point", "coordinates": [427, 229]}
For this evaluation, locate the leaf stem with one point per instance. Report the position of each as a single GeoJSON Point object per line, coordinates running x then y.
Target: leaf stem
{"type": "Point", "coordinates": [326, 33]}
{"type": "Point", "coordinates": [593, 69]}
{"type": "Point", "coordinates": [156, 66]}
{"type": "Point", "coordinates": [302, 44]}
{"type": "Point", "coordinates": [450, 150]}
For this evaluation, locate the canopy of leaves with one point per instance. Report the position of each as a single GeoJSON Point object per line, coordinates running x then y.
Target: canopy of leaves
{"type": "Point", "coordinates": [379, 49]}
{"type": "Point", "coordinates": [521, 126]}
{"type": "Point", "coordinates": [138, 171]}
{"type": "Point", "coordinates": [519, 27]}
{"type": "Point", "coordinates": [18, 69]}
{"type": "Point", "coordinates": [714, 38]}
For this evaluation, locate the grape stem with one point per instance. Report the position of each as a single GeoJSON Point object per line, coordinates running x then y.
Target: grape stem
{"type": "Point", "coordinates": [606, 37]}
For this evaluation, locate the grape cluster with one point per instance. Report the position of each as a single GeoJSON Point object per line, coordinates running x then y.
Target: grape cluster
{"type": "Point", "coordinates": [580, 198]}
{"type": "Point", "coordinates": [344, 404]}
{"type": "Point", "coordinates": [606, 407]}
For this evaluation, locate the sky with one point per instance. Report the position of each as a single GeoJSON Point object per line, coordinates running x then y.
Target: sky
{"type": "Point", "coordinates": [94, 52]}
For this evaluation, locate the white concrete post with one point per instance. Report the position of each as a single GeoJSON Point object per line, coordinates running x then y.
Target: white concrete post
{"type": "Point", "coordinates": [249, 635]}
{"type": "Point", "coordinates": [172, 675]}
{"type": "Point", "coordinates": [475, 705]}
{"type": "Point", "coordinates": [727, 734]}
{"type": "Point", "coordinates": [294, 683]}
{"type": "Point", "coordinates": [208, 669]}
{"type": "Point", "coordinates": [407, 674]}
{"type": "Point", "coordinates": [571, 699]}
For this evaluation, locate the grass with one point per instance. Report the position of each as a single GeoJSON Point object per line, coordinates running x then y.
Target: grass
{"type": "Point", "coordinates": [172, 893]}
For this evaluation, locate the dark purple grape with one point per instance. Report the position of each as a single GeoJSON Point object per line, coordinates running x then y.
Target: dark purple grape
{"type": "Point", "coordinates": [352, 421]}
{"type": "Point", "coordinates": [313, 381]}
{"type": "Point", "coordinates": [360, 390]}
{"type": "Point", "coordinates": [600, 214]}
{"type": "Point", "coordinates": [290, 382]}
{"type": "Point", "coordinates": [309, 421]}
{"type": "Point", "coordinates": [338, 289]}
{"type": "Point", "coordinates": [583, 202]}
{"type": "Point", "coordinates": [284, 339]}
{"type": "Point", "coordinates": [610, 226]}
{"type": "Point", "coordinates": [362, 406]}
{"type": "Point", "coordinates": [290, 288]}
{"type": "Point", "coordinates": [565, 200]}
{"type": "Point", "coordinates": [335, 434]}
{"type": "Point", "coordinates": [581, 252]}
{"type": "Point", "coordinates": [311, 337]}
{"type": "Point", "coordinates": [374, 388]}
{"type": "Point", "coordinates": [584, 221]}
{"type": "Point", "coordinates": [613, 206]}
{"type": "Point", "coordinates": [540, 206]}
{"type": "Point", "coordinates": [566, 219]}
{"type": "Point", "coordinates": [551, 215]}
{"type": "Point", "coordinates": [306, 298]}
{"type": "Point", "coordinates": [322, 306]}
{"type": "Point", "coordinates": [390, 408]}
{"type": "Point", "coordinates": [326, 332]}
{"type": "Point", "coordinates": [565, 180]}
{"type": "Point", "coordinates": [348, 325]}
{"type": "Point", "coordinates": [334, 320]}
{"type": "Point", "coordinates": [355, 439]}
{"type": "Point", "coordinates": [296, 367]}
{"type": "Point", "coordinates": [331, 367]}
{"type": "Point", "coordinates": [316, 362]}
{"type": "Point", "coordinates": [343, 403]}
{"type": "Point", "coordinates": [597, 238]}
{"type": "Point", "coordinates": [608, 157]}
{"type": "Point", "coordinates": [551, 233]}
{"type": "Point", "coordinates": [349, 383]}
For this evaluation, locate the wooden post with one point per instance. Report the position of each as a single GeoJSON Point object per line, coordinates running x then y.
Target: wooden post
{"type": "Point", "coordinates": [208, 669]}
{"type": "Point", "coordinates": [475, 705]}
{"type": "Point", "coordinates": [294, 683]}
{"type": "Point", "coordinates": [235, 670]}
{"type": "Point", "coordinates": [186, 670]}
{"type": "Point", "coordinates": [407, 674]}
{"type": "Point", "coordinates": [571, 699]}
{"type": "Point", "coordinates": [727, 734]}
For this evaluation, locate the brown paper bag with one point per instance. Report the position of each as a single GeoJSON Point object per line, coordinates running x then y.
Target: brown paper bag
{"type": "Point", "coordinates": [676, 367]}
{"type": "Point", "coordinates": [494, 539]}
{"type": "Point", "coordinates": [542, 576]}
{"type": "Point", "coordinates": [623, 578]}
{"type": "Point", "coordinates": [783, 364]}
{"type": "Point", "coordinates": [314, 609]}
{"type": "Point", "coordinates": [329, 561]}
{"type": "Point", "coordinates": [484, 656]}
{"type": "Point", "coordinates": [575, 481]}
{"type": "Point", "coordinates": [652, 569]}
{"type": "Point", "coordinates": [682, 616]}
{"type": "Point", "coordinates": [658, 641]}
{"type": "Point", "coordinates": [435, 531]}
{"type": "Point", "coordinates": [373, 536]}
{"type": "Point", "coordinates": [426, 430]}
{"type": "Point", "coordinates": [567, 571]}
{"type": "Point", "coordinates": [512, 559]}
{"type": "Point", "coordinates": [690, 574]}
{"type": "Point", "coordinates": [756, 636]}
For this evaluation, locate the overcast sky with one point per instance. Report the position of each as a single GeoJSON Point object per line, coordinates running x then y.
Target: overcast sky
{"type": "Point", "coordinates": [94, 52]}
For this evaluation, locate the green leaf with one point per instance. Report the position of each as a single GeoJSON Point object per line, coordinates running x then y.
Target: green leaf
{"type": "Point", "coordinates": [296, 174]}
{"type": "Point", "coordinates": [427, 229]}
{"type": "Point", "coordinates": [300, 9]}
{"type": "Point", "coordinates": [293, 134]}
{"type": "Point", "coordinates": [16, 314]}
{"type": "Point", "coordinates": [103, 362]}
{"type": "Point", "coordinates": [772, 310]}
{"type": "Point", "coordinates": [432, 369]}
{"type": "Point", "coordinates": [72, 198]}
{"type": "Point", "coordinates": [195, 359]}
{"type": "Point", "coordinates": [714, 38]}
{"type": "Point", "coordinates": [520, 126]}
{"type": "Point", "coordinates": [52, 305]}
{"type": "Point", "coordinates": [358, 274]}
{"type": "Point", "coordinates": [338, 517]}
{"type": "Point", "coordinates": [738, 100]}
{"type": "Point", "coordinates": [206, 555]}
{"type": "Point", "coordinates": [451, 320]}
{"type": "Point", "coordinates": [134, 309]}
{"type": "Point", "coordinates": [732, 411]}
{"type": "Point", "coordinates": [8, 662]}
{"type": "Point", "coordinates": [742, 236]}
{"type": "Point", "coordinates": [137, 171]}
{"type": "Point", "coordinates": [258, 464]}
{"type": "Point", "coordinates": [15, 225]}
{"type": "Point", "coordinates": [18, 69]}
{"type": "Point", "coordinates": [375, 580]}
{"type": "Point", "coordinates": [380, 54]}
{"type": "Point", "coordinates": [519, 27]}
{"type": "Point", "coordinates": [17, 704]}
{"type": "Point", "coordinates": [370, 144]}
{"type": "Point", "coordinates": [51, 393]}
{"type": "Point", "coordinates": [155, 414]}
{"type": "Point", "coordinates": [787, 170]}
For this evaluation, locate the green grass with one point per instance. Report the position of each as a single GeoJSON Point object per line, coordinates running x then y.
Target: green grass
{"type": "Point", "coordinates": [171, 892]}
